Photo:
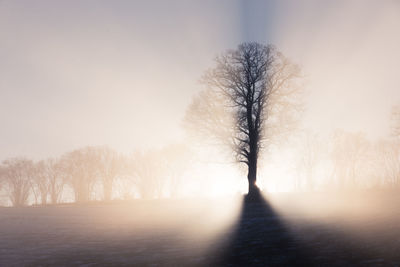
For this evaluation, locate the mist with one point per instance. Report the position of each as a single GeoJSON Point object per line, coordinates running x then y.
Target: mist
{"type": "Point", "coordinates": [129, 122]}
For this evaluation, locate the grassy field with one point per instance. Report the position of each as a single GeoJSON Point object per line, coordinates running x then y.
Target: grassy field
{"type": "Point", "coordinates": [316, 229]}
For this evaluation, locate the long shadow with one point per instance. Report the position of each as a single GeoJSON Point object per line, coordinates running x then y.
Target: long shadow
{"type": "Point", "coordinates": [261, 239]}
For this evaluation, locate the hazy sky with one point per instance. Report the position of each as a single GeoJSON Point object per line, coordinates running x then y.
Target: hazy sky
{"type": "Point", "coordinates": [121, 73]}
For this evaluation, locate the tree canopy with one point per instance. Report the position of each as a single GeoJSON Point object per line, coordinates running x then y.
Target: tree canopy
{"type": "Point", "coordinates": [251, 97]}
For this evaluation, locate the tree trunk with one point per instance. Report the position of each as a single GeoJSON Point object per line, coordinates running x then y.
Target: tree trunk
{"type": "Point", "coordinates": [254, 191]}
{"type": "Point", "coordinates": [252, 177]}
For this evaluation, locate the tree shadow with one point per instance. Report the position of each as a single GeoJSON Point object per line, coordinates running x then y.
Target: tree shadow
{"type": "Point", "coordinates": [259, 238]}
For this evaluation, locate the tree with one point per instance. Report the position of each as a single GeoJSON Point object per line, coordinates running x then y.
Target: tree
{"type": "Point", "coordinates": [248, 94]}
{"type": "Point", "coordinates": [2, 181]}
{"type": "Point", "coordinates": [57, 179]}
{"type": "Point", "coordinates": [109, 167]}
{"type": "Point", "coordinates": [309, 155]}
{"type": "Point", "coordinates": [81, 168]}
{"type": "Point", "coordinates": [147, 170]}
{"type": "Point", "coordinates": [389, 162]}
{"type": "Point", "coordinates": [49, 180]}
{"type": "Point", "coordinates": [176, 159]}
{"type": "Point", "coordinates": [40, 182]}
{"type": "Point", "coordinates": [18, 173]}
{"type": "Point", "coordinates": [349, 154]}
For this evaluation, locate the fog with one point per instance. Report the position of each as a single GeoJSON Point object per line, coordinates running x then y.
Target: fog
{"type": "Point", "coordinates": [350, 61]}
{"type": "Point", "coordinates": [104, 109]}
{"type": "Point", "coordinates": [88, 69]}
{"type": "Point", "coordinates": [99, 73]}
{"type": "Point", "coordinates": [123, 75]}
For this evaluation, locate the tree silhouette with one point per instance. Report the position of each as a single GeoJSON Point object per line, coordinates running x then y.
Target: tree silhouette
{"type": "Point", "coordinates": [248, 94]}
{"type": "Point", "coordinates": [146, 170]}
{"type": "Point", "coordinates": [109, 168]}
{"type": "Point", "coordinates": [18, 174]}
{"type": "Point", "coordinates": [349, 154]}
{"type": "Point", "coordinates": [310, 153]}
{"type": "Point", "coordinates": [81, 169]}
{"type": "Point", "coordinates": [387, 161]}
{"type": "Point", "coordinates": [56, 179]}
{"type": "Point", "coordinates": [176, 159]}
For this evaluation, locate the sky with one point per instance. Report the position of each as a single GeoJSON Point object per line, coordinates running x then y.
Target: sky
{"type": "Point", "coordinates": [122, 73]}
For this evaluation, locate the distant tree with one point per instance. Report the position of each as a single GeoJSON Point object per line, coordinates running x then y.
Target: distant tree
{"type": "Point", "coordinates": [176, 159]}
{"type": "Point", "coordinates": [249, 94]}
{"type": "Point", "coordinates": [81, 169]}
{"type": "Point", "coordinates": [389, 162]}
{"type": "Point", "coordinates": [18, 174]}
{"type": "Point", "coordinates": [49, 180]}
{"type": "Point", "coordinates": [2, 182]}
{"type": "Point", "coordinates": [57, 179]}
{"type": "Point", "coordinates": [388, 152]}
{"type": "Point", "coordinates": [348, 154]}
{"type": "Point", "coordinates": [309, 155]}
{"type": "Point", "coordinates": [109, 168]}
{"type": "Point", "coordinates": [40, 182]}
{"type": "Point", "coordinates": [147, 172]}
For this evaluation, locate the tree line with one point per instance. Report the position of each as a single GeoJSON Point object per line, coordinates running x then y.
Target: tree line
{"type": "Point", "coordinates": [346, 160]}
{"type": "Point", "coordinates": [93, 173]}
{"type": "Point", "coordinates": [252, 103]}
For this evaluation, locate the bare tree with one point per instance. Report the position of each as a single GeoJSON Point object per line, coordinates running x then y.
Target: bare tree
{"type": "Point", "coordinates": [81, 168]}
{"type": "Point", "coordinates": [2, 182]}
{"type": "Point", "coordinates": [310, 154]}
{"type": "Point", "coordinates": [49, 180]}
{"type": "Point", "coordinates": [176, 159]}
{"type": "Point", "coordinates": [18, 173]}
{"type": "Point", "coordinates": [57, 179]}
{"type": "Point", "coordinates": [147, 173]}
{"type": "Point", "coordinates": [247, 96]}
{"type": "Point", "coordinates": [40, 182]}
{"type": "Point", "coordinates": [348, 154]}
{"type": "Point", "coordinates": [389, 162]}
{"type": "Point", "coordinates": [109, 168]}
{"type": "Point", "coordinates": [388, 152]}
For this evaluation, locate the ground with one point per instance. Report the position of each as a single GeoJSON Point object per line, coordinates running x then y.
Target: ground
{"type": "Point", "coordinates": [319, 229]}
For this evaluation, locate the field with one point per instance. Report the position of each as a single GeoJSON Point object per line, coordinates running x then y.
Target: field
{"type": "Point", "coordinates": [358, 229]}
